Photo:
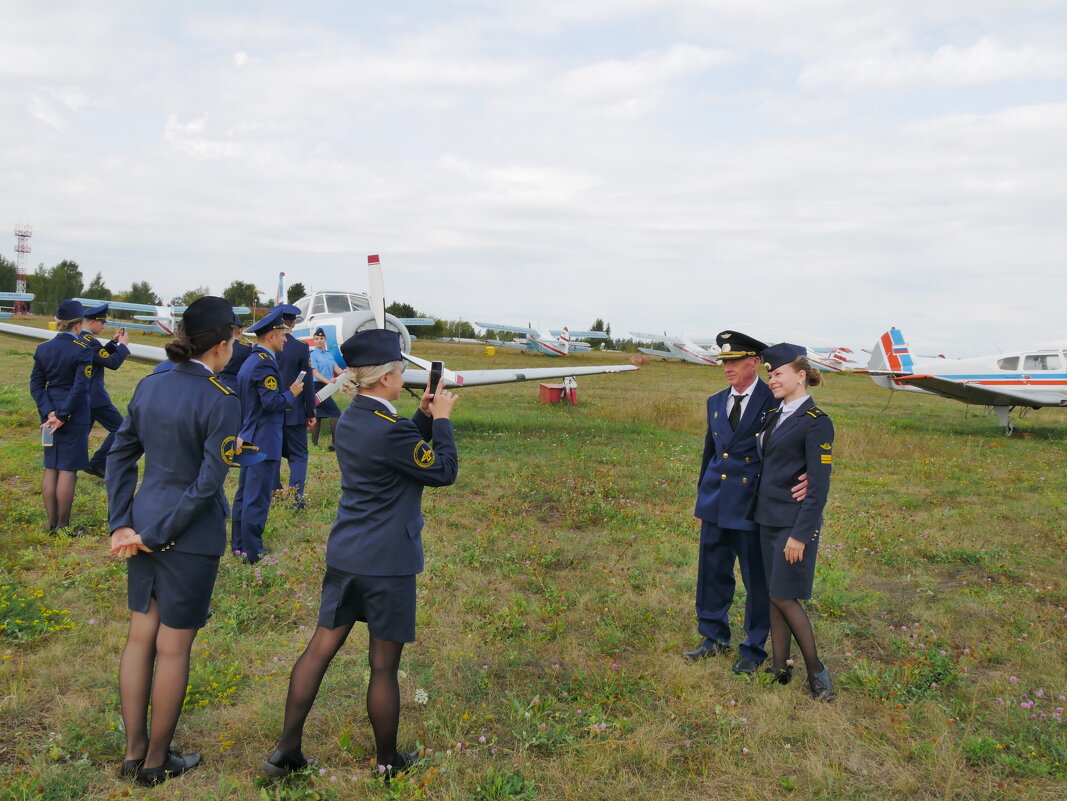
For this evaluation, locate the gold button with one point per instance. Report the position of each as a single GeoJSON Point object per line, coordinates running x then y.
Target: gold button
{"type": "Point", "coordinates": [744, 481]}
{"type": "Point", "coordinates": [726, 456]}
{"type": "Point", "coordinates": [746, 458]}
{"type": "Point", "coordinates": [724, 476]}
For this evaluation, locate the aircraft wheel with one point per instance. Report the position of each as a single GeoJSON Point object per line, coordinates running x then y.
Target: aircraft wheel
{"type": "Point", "coordinates": [1009, 429]}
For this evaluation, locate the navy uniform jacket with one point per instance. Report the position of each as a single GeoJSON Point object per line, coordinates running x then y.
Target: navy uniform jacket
{"type": "Point", "coordinates": [804, 443]}
{"type": "Point", "coordinates": [264, 400]}
{"type": "Point", "coordinates": [296, 356]}
{"type": "Point", "coordinates": [111, 356]}
{"type": "Point", "coordinates": [385, 462]}
{"type": "Point", "coordinates": [228, 376]}
{"type": "Point", "coordinates": [731, 465]}
{"type": "Point", "coordinates": [62, 372]}
{"type": "Point", "coordinates": [185, 422]}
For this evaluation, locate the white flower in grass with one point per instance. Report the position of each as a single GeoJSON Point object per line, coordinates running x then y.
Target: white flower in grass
{"type": "Point", "coordinates": [422, 697]}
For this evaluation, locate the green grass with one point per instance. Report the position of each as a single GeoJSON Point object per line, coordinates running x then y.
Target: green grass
{"type": "Point", "coordinates": [557, 598]}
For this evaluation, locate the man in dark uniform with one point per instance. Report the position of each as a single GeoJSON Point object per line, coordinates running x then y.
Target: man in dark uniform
{"type": "Point", "coordinates": [241, 351]}
{"type": "Point", "coordinates": [295, 356]}
{"type": "Point", "coordinates": [728, 471]}
{"type": "Point", "coordinates": [263, 404]}
{"type": "Point", "coordinates": [111, 356]}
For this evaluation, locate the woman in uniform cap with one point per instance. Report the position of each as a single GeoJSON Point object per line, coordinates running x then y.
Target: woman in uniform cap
{"type": "Point", "coordinates": [59, 384]}
{"type": "Point", "coordinates": [172, 529]}
{"type": "Point", "coordinates": [324, 371]}
{"type": "Point", "coordinates": [797, 438]}
{"type": "Point", "coordinates": [374, 549]}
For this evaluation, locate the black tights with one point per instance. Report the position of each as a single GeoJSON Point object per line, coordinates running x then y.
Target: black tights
{"type": "Point", "coordinates": [788, 618]}
{"type": "Point", "coordinates": [57, 487]}
{"type": "Point", "coordinates": [315, 430]}
{"type": "Point", "coordinates": [383, 692]}
{"type": "Point", "coordinates": [154, 666]}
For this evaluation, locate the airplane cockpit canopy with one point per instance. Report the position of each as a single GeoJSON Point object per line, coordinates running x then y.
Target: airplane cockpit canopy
{"type": "Point", "coordinates": [332, 303]}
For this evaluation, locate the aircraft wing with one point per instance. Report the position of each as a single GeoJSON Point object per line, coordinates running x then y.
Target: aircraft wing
{"type": "Point", "coordinates": [117, 304]}
{"type": "Point", "coordinates": [975, 394]}
{"type": "Point", "coordinates": [666, 354]}
{"type": "Point", "coordinates": [475, 378]}
{"type": "Point", "coordinates": [579, 334]}
{"type": "Point", "coordinates": [149, 354]}
{"type": "Point", "coordinates": [514, 329]}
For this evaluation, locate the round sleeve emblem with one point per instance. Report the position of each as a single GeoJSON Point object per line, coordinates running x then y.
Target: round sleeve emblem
{"type": "Point", "coordinates": [270, 382]}
{"type": "Point", "coordinates": [424, 455]}
{"type": "Point", "coordinates": [103, 353]}
{"type": "Point", "coordinates": [88, 371]}
{"type": "Point", "coordinates": [229, 447]}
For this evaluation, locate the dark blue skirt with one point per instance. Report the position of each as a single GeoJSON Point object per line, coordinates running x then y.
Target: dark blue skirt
{"type": "Point", "coordinates": [783, 579]}
{"type": "Point", "coordinates": [385, 603]}
{"type": "Point", "coordinates": [181, 583]}
{"type": "Point", "coordinates": [328, 407]}
{"type": "Point", "coordinates": [70, 450]}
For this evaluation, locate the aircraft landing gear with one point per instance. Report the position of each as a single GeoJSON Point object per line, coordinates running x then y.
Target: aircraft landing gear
{"type": "Point", "coordinates": [1003, 419]}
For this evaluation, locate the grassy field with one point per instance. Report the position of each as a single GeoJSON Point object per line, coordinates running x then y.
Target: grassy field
{"type": "Point", "coordinates": [557, 598]}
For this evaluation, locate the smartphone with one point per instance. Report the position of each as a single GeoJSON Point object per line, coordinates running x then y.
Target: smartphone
{"type": "Point", "coordinates": [46, 436]}
{"type": "Point", "coordinates": [436, 368]}
{"type": "Point", "coordinates": [300, 376]}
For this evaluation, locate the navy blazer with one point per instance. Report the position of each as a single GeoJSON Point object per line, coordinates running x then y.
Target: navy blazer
{"type": "Point", "coordinates": [296, 356]}
{"type": "Point", "coordinates": [264, 399]}
{"type": "Point", "coordinates": [185, 423]}
{"type": "Point", "coordinates": [111, 356]}
{"type": "Point", "coordinates": [59, 382]}
{"type": "Point", "coordinates": [730, 464]}
{"type": "Point", "coordinates": [228, 374]}
{"type": "Point", "coordinates": [385, 462]}
{"type": "Point", "coordinates": [804, 443]}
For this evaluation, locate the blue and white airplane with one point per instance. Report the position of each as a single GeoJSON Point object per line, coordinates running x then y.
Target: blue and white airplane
{"type": "Point", "coordinates": [1029, 379]}
{"type": "Point", "coordinates": [550, 343]}
{"type": "Point", "coordinates": [164, 318]}
{"type": "Point", "coordinates": [15, 297]}
{"type": "Point", "coordinates": [681, 347]}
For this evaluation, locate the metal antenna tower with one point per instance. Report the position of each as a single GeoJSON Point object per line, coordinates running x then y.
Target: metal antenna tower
{"type": "Point", "coordinates": [22, 247]}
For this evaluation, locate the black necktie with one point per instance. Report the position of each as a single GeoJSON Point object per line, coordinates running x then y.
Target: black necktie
{"type": "Point", "coordinates": [735, 411]}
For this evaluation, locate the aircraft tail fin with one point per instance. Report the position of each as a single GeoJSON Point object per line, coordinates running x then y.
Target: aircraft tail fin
{"type": "Point", "coordinates": [891, 354]}
{"type": "Point", "coordinates": [565, 340]}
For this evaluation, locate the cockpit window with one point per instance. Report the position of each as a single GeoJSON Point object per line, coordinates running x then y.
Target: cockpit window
{"type": "Point", "coordinates": [337, 304]}
{"type": "Point", "coordinates": [303, 304]}
{"type": "Point", "coordinates": [1042, 361]}
{"type": "Point", "coordinates": [319, 305]}
{"type": "Point", "coordinates": [1009, 363]}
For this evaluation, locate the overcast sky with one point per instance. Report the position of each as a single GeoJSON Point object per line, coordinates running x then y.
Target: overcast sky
{"type": "Point", "coordinates": [812, 171]}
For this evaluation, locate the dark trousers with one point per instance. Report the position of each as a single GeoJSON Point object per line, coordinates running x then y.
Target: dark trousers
{"type": "Point", "coordinates": [258, 486]}
{"type": "Point", "coordinates": [110, 418]}
{"type": "Point", "coordinates": [719, 547]}
{"type": "Point", "coordinates": [295, 451]}
{"type": "Point", "coordinates": [236, 508]}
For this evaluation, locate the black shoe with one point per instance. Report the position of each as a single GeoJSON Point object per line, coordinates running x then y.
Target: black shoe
{"type": "Point", "coordinates": [175, 765]}
{"type": "Point", "coordinates": [783, 675]}
{"type": "Point", "coordinates": [705, 650]}
{"type": "Point", "coordinates": [93, 470]}
{"type": "Point", "coordinates": [281, 765]}
{"type": "Point", "coordinates": [822, 689]}
{"type": "Point", "coordinates": [330, 448]}
{"type": "Point", "coordinates": [129, 767]}
{"type": "Point", "coordinates": [746, 666]}
{"type": "Point", "coordinates": [404, 761]}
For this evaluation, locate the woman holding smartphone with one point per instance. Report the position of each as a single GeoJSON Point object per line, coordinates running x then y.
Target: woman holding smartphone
{"type": "Point", "coordinates": [797, 438]}
{"type": "Point", "coordinates": [374, 549]}
{"type": "Point", "coordinates": [172, 529]}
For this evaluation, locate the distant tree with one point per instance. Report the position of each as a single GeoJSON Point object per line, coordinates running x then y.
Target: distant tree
{"type": "Point", "coordinates": [8, 273]}
{"type": "Point", "coordinates": [54, 284]}
{"type": "Point", "coordinates": [142, 292]}
{"type": "Point", "coordinates": [295, 292]}
{"type": "Point", "coordinates": [597, 326]}
{"type": "Point", "coordinates": [190, 295]}
{"type": "Point", "coordinates": [242, 293]}
{"type": "Point", "coordinates": [398, 309]}
{"type": "Point", "coordinates": [96, 288]}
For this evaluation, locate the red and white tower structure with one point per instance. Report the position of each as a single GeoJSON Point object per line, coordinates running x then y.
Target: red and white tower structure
{"type": "Point", "coordinates": [22, 247]}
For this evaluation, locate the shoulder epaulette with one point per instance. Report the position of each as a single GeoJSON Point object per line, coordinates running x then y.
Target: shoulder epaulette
{"type": "Point", "coordinates": [225, 389]}
{"type": "Point", "coordinates": [263, 355]}
{"type": "Point", "coordinates": [80, 342]}
{"type": "Point", "coordinates": [88, 336]}
{"type": "Point", "coordinates": [385, 416]}
{"type": "Point", "coordinates": [815, 411]}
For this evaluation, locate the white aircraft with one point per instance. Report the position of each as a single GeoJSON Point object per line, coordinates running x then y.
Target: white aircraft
{"type": "Point", "coordinates": [836, 360]}
{"type": "Point", "coordinates": [550, 343]}
{"type": "Point", "coordinates": [1027, 379]}
{"type": "Point", "coordinates": [339, 325]}
{"type": "Point", "coordinates": [163, 317]}
{"type": "Point", "coordinates": [681, 347]}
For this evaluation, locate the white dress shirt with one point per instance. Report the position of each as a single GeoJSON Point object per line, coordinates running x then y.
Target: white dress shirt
{"type": "Point", "coordinates": [747, 392]}
{"type": "Point", "coordinates": [788, 409]}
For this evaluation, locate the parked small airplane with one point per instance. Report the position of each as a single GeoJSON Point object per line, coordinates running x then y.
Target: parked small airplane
{"type": "Point", "coordinates": [164, 318]}
{"type": "Point", "coordinates": [15, 297]}
{"type": "Point", "coordinates": [1028, 379]}
{"type": "Point", "coordinates": [339, 325]}
{"type": "Point", "coordinates": [836, 360]}
{"type": "Point", "coordinates": [681, 347]}
{"type": "Point", "coordinates": [550, 343]}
